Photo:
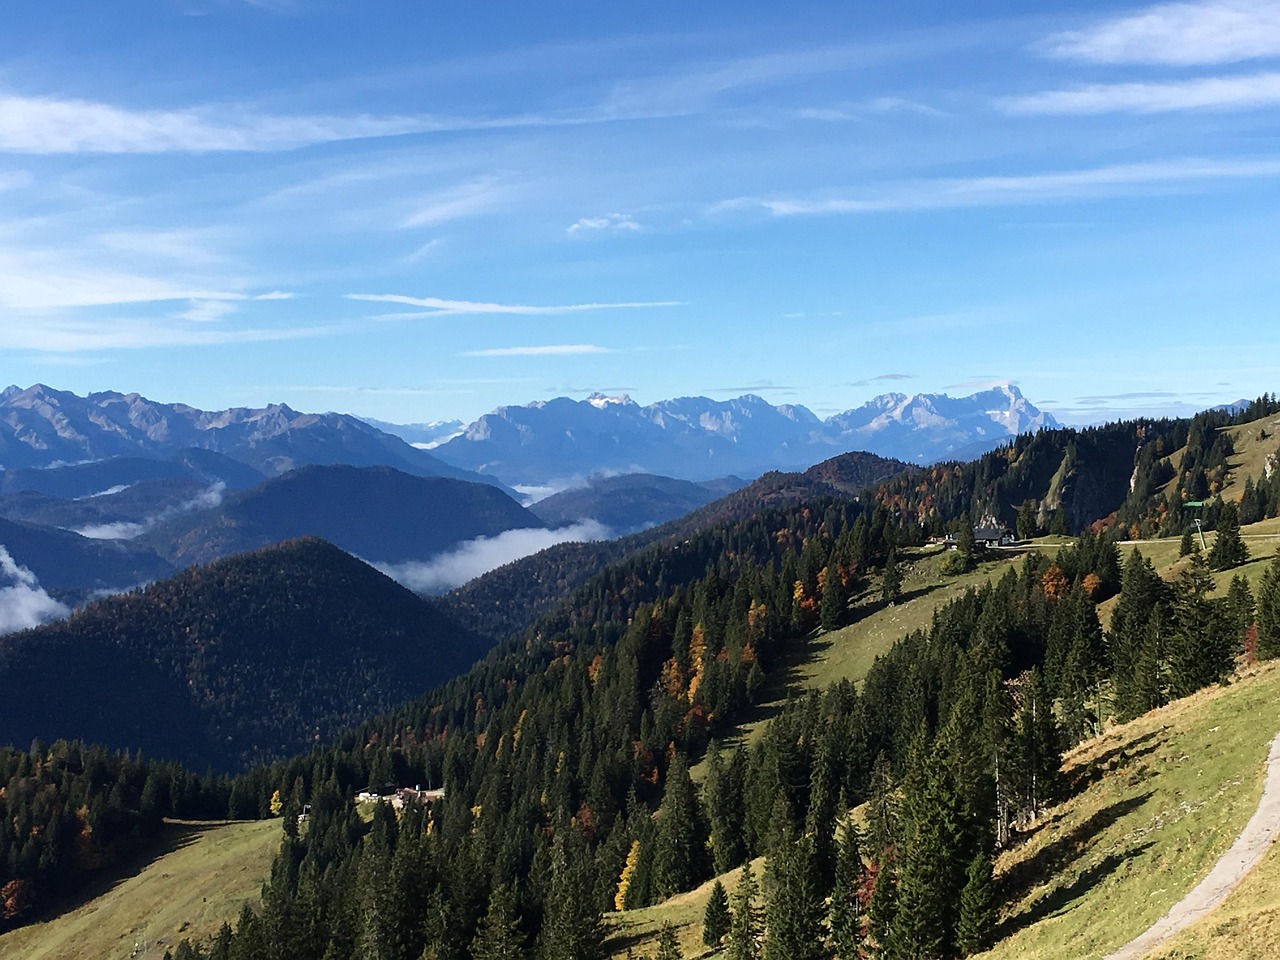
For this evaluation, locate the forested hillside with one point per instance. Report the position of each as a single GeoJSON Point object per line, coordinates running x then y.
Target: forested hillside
{"type": "Point", "coordinates": [250, 658]}
{"type": "Point", "coordinates": [566, 759]}
{"type": "Point", "coordinates": [565, 754]}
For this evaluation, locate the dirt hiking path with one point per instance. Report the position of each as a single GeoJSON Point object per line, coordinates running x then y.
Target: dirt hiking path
{"type": "Point", "coordinates": [1234, 865]}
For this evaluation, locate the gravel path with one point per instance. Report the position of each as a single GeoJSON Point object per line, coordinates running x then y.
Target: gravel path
{"type": "Point", "coordinates": [1234, 866]}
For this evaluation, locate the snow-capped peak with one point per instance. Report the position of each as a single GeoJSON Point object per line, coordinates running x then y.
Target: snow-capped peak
{"type": "Point", "coordinates": [600, 400]}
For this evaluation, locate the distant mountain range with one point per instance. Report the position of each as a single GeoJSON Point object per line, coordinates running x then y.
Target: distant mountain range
{"type": "Point", "coordinates": [42, 427]}
{"type": "Point", "coordinates": [695, 438]}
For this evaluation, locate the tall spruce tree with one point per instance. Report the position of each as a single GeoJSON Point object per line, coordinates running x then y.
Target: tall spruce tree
{"type": "Point", "coordinates": [891, 585]}
{"type": "Point", "coordinates": [977, 907]}
{"type": "Point", "coordinates": [931, 871]}
{"type": "Point", "coordinates": [717, 918]}
{"type": "Point", "coordinates": [573, 927]}
{"type": "Point", "coordinates": [1200, 646]}
{"type": "Point", "coordinates": [748, 924]}
{"type": "Point", "coordinates": [845, 915]}
{"type": "Point", "coordinates": [882, 910]}
{"type": "Point", "coordinates": [722, 791]}
{"type": "Point", "coordinates": [680, 841]}
{"type": "Point", "coordinates": [1268, 611]}
{"type": "Point", "coordinates": [668, 944]}
{"type": "Point", "coordinates": [1228, 546]}
{"type": "Point", "coordinates": [498, 936]}
{"type": "Point", "coordinates": [795, 910]}
{"type": "Point", "coordinates": [1141, 591]}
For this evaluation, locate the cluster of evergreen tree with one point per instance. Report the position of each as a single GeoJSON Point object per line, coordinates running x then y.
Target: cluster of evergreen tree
{"type": "Point", "coordinates": [566, 755]}
{"type": "Point", "coordinates": [68, 811]}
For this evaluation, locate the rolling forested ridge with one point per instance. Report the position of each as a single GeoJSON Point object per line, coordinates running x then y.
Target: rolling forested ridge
{"type": "Point", "coordinates": [592, 761]}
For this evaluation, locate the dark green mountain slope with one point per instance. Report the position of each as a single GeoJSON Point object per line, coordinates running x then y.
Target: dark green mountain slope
{"type": "Point", "coordinates": [255, 656]}
{"type": "Point", "coordinates": [66, 563]}
{"type": "Point", "coordinates": [375, 512]}
{"type": "Point", "coordinates": [506, 600]}
{"type": "Point", "coordinates": [632, 501]}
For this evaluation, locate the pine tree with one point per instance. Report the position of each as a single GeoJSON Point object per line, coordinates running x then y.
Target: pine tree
{"type": "Point", "coordinates": [846, 907]}
{"type": "Point", "coordinates": [717, 918]}
{"type": "Point", "coordinates": [747, 925]}
{"type": "Point", "coordinates": [931, 870]}
{"type": "Point", "coordinates": [1228, 547]}
{"type": "Point", "coordinates": [1149, 685]}
{"type": "Point", "coordinates": [1037, 745]}
{"type": "Point", "coordinates": [1240, 606]}
{"type": "Point", "coordinates": [977, 906]}
{"type": "Point", "coordinates": [573, 928]}
{"type": "Point", "coordinates": [1141, 592]}
{"type": "Point", "coordinates": [498, 936]}
{"type": "Point", "coordinates": [668, 944]}
{"type": "Point", "coordinates": [882, 810]}
{"type": "Point", "coordinates": [723, 792]}
{"type": "Point", "coordinates": [1200, 647]}
{"type": "Point", "coordinates": [831, 609]}
{"type": "Point", "coordinates": [795, 911]}
{"type": "Point", "coordinates": [679, 840]}
{"type": "Point", "coordinates": [1188, 544]}
{"type": "Point", "coordinates": [883, 909]}
{"type": "Point", "coordinates": [1269, 612]}
{"type": "Point", "coordinates": [820, 821]}
{"type": "Point", "coordinates": [891, 586]}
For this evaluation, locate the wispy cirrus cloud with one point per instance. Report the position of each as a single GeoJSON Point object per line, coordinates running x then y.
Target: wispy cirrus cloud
{"type": "Point", "coordinates": [67, 336]}
{"type": "Point", "coordinates": [465, 200]}
{"type": "Point", "coordinates": [553, 350]}
{"type": "Point", "coordinates": [982, 383]}
{"type": "Point", "coordinates": [440, 307]}
{"type": "Point", "coordinates": [613, 223]}
{"type": "Point", "coordinates": [942, 194]}
{"type": "Point", "coordinates": [1249, 92]}
{"type": "Point", "coordinates": [879, 379]}
{"type": "Point", "coordinates": [1180, 34]}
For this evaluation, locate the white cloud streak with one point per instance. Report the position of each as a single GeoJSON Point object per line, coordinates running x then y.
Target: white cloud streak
{"type": "Point", "coordinates": [125, 530]}
{"type": "Point", "coordinates": [49, 125]}
{"type": "Point", "coordinates": [1249, 92]}
{"type": "Point", "coordinates": [466, 200]}
{"type": "Point", "coordinates": [444, 308]}
{"type": "Point", "coordinates": [23, 602]}
{"type": "Point", "coordinates": [1179, 34]}
{"type": "Point", "coordinates": [474, 557]}
{"type": "Point", "coordinates": [555, 350]}
{"type": "Point", "coordinates": [1031, 188]}
{"type": "Point", "coordinates": [48, 335]}
{"type": "Point", "coordinates": [613, 223]}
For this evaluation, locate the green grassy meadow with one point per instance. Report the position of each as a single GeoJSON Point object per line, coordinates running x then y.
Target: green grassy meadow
{"type": "Point", "coordinates": [202, 877]}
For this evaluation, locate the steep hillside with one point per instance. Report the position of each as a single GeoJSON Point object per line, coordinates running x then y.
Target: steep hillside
{"type": "Point", "coordinates": [1151, 805]}
{"type": "Point", "coordinates": [256, 656]}
{"type": "Point", "coordinates": [506, 600]}
{"type": "Point", "coordinates": [377, 513]}
{"type": "Point", "coordinates": [202, 876]}
{"type": "Point", "coordinates": [632, 501]}
{"type": "Point", "coordinates": [66, 563]}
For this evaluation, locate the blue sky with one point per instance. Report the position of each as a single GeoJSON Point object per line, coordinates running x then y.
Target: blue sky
{"type": "Point", "coordinates": [412, 212]}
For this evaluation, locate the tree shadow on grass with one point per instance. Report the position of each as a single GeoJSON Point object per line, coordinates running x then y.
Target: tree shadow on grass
{"type": "Point", "coordinates": [1056, 855]}
{"type": "Point", "coordinates": [1117, 758]}
{"type": "Point", "coordinates": [173, 836]}
{"type": "Point", "coordinates": [1061, 898]}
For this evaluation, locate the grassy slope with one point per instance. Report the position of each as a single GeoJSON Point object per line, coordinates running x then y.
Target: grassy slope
{"type": "Point", "coordinates": [1251, 454]}
{"type": "Point", "coordinates": [847, 653]}
{"type": "Point", "coordinates": [1154, 804]}
{"type": "Point", "coordinates": [207, 873]}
